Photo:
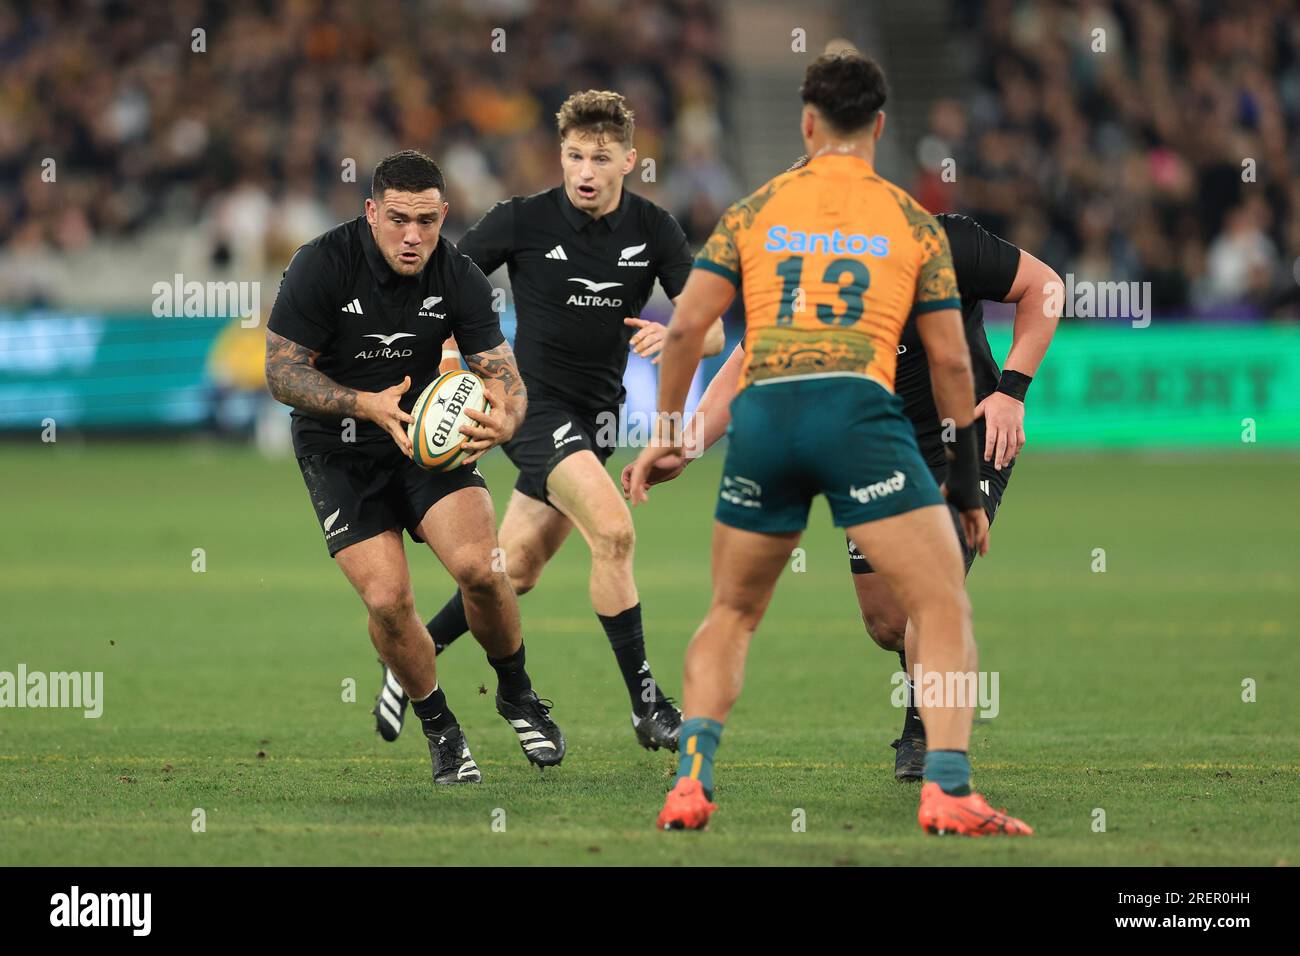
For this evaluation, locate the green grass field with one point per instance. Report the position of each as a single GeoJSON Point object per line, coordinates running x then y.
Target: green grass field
{"type": "Point", "coordinates": [223, 690]}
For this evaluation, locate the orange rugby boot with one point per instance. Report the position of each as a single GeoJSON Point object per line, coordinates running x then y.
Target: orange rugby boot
{"type": "Point", "coordinates": [968, 816]}
{"type": "Point", "coordinates": [687, 808]}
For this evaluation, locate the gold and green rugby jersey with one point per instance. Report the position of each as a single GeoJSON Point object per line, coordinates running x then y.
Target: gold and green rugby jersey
{"type": "Point", "coordinates": [831, 261]}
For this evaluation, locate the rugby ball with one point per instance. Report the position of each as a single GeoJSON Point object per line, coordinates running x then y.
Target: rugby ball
{"type": "Point", "coordinates": [436, 439]}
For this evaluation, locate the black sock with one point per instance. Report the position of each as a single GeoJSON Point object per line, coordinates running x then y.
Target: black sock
{"type": "Point", "coordinates": [512, 679]}
{"type": "Point", "coordinates": [912, 721]}
{"type": "Point", "coordinates": [625, 637]}
{"type": "Point", "coordinates": [449, 623]}
{"type": "Point", "coordinates": [435, 716]}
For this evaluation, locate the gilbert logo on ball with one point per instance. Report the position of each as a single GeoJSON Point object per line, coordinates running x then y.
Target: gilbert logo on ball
{"type": "Point", "coordinates": [436, 439]}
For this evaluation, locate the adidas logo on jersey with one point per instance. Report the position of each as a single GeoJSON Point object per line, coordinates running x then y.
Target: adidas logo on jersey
{"type": "Point", "coordinates": [878, 490]}
{"type": "Point", "coordinates": [557, 253]}
{"type": "Point", "coordinates": [354, 307]}
{"type": "Point", "coordinates": [625, 257]}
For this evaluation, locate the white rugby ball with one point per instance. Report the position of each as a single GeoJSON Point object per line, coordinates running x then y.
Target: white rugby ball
{"type": "Point", "coordinates": [436, 438]}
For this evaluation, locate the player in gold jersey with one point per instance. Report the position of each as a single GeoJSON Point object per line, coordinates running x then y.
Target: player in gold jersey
{"type": "Point", "coordinates": [826, 303]}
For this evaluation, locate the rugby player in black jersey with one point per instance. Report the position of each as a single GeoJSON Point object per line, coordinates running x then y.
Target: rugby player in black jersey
{"type": "Point", "coordinates": [354, 338]}
{"type": "Point", "coordinates": [988, 268]}
{"type": "Point", "coordinates": [583, 258]}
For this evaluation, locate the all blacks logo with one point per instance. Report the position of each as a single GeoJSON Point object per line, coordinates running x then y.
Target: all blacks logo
{"type": "Point", "coordinates": [438, 439]}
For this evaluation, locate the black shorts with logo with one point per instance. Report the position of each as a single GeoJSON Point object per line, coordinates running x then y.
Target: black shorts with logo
{"type": "Point", "coordinates": [362, 492]}
{"type": "Point", "coordinates": [993, 484]}
{"type": "Point", "coordinates": [551, 432]}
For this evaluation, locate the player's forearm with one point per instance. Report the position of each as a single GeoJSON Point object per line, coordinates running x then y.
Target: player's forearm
{"type": "Point", "coordinates": [713, 414]}
{"type": "Point", "coordinates": [1037, 314]}
{"type": "Point", "coordinates": [294, 380]}
{"type": "Point", "coordinates": [683, 348]}
{"type": "Point", "coordinates": [705, 297]}
{"type": "Point", "coordinates": [498, 365]}
{"type": "Point", "coordinates": [954, 391]}
{"type": "Point", "coordinates": [948, 356]}
{"type": "Point", "coordinates": [450, 361]}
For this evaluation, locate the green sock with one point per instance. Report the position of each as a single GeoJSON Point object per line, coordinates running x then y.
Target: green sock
{"type": "Point", "coordinates": [950, 769]}
{"type": "Point", "coordinates": [698, 743]}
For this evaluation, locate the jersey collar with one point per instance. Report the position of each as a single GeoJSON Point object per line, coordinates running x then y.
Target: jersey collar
{"type": "Point", "coordinates": [579, 220]}
{"type": "Point", "coordinates": [841, 160]}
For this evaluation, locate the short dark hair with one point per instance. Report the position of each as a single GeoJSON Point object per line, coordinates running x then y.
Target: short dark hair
{"type": "Point", "coordinates": [598, 113]}
{"type": "Point", "coordinates": [409, 171]}
{"type": "Point", "coordinates": [847, 88]}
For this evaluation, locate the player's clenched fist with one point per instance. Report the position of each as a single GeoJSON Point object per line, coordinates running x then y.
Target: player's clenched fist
{"type": "Point", "coordinates": [384, 410]}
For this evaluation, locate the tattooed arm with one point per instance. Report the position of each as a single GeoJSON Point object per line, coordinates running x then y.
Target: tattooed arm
{"type": "Point", "coordinates": [293, 379]}
{"type": "Point", "coordinates": [507, 394]}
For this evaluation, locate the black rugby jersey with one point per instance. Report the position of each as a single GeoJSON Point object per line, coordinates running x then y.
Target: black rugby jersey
{"type": "Point", "coordinates": [372, 326]}
{"type": "Point", "coordinates": [986, 267]}
{"type": "Point", "coordinates": [575, 279]}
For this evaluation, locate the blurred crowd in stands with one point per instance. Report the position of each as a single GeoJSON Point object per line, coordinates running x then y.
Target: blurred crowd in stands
{"type": "Point", "coordinates": [247, 131]}
{"type": "Point", "coordinates": [1134, 140]}
{"type": "Point", "coordinates": [1138, 140]}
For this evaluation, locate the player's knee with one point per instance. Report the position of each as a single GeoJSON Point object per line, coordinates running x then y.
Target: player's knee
{"type": "Point", "coordinates": [947, 603]}
{"type": "Point", "coordinates": [390, 607]}
{"type": "Point", "coordinates": [885, 629]}
{"type": "Point", "coordinates": [525, 574]}
{"type": "Point", "coordinates": [479, 579]}
{"type": "Point", "coordinates": [615, 542]}
{"type": "Point", "coordinates": [738, 619]}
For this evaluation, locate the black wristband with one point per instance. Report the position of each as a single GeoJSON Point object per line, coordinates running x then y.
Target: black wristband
{"type": "Point", "coordinates": [1014, 383]}
{"type": "Point", "coordinates": [964, 470]}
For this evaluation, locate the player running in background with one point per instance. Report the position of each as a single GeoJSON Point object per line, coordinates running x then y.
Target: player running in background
{"type": "Point", "coordinates": [352, 341]}
{"type": "Point", "coordinates": [816, 414]}
{"type": "Point", "coordinates": [987, 267]}
{"type": "Point", "coordinates": [583, 258]}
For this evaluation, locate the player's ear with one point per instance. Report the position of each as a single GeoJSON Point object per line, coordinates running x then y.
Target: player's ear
{"type": "Point", "coordinates": [630, 161]}
{"type": "Point", "coordinates": [806, 122]}
{"type": "Point", "coordinates": [372, 211]}
{"type": "Point", "coordinates": [880, 126]}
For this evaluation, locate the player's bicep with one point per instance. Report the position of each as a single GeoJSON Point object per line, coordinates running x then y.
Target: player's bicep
{"type": "Point", "coordinates": [986, 263]}
{"type": "Point", "coordinates": [282, 352]}
{"type": "Point", "coordinates": [721, 253]}
{"type": "Point", "coordinates": [944, 337]}
{"type": "Point", "coordinates": [287, 362]}
{"type": "Point", "coordinates": [304, 306]}
{"type": "Point", "coordinates": [488, 241]}
{"type": "Point", "coordinates": [673, 255]}
{"type": "Point", "coordinates": [475, 324]}
{"type": "Point", "coordinates": [936, 280]}
{"type": "Point", "coordinates": [707, 295]}
{"type": "Point", "coordinates": [1032, 276]}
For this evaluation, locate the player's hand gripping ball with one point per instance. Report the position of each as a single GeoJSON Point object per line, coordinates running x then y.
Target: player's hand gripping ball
{"type": "Point", "coordinates": [437, 442]}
